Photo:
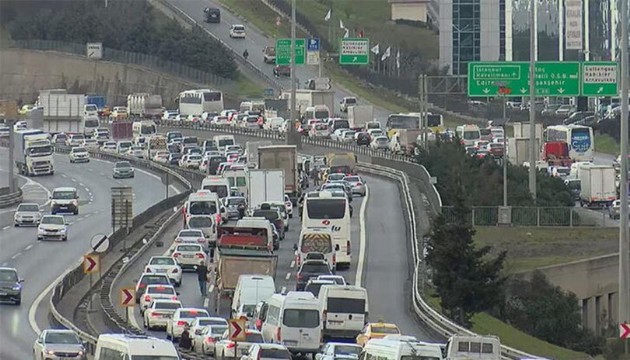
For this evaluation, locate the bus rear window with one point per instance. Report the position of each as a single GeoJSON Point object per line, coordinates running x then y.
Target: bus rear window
{"type": "Point", "coordinates": [212, 96]}
{"type": "Point", "coordinates": [326, 209]}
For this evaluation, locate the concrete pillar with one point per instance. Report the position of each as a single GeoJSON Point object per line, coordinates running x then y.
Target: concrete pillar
{"type": "Point", "coordinates": [598, 315]}
{"type": "Point", "coordinates": [591, 313]}
{"type": "Point", "coordinates": [584, 305]}
{"type": "Point", "coordinates": [613, 317]}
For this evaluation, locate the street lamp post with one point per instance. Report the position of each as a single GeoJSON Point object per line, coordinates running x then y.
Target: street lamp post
{"type": "Point", "coordinates": [504, 91]}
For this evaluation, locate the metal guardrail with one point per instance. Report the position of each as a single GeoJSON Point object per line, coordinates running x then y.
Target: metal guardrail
{"type": "Point", "coordinates": [11, 199]}
{"type": "Point", "coordinates": [436, 321]}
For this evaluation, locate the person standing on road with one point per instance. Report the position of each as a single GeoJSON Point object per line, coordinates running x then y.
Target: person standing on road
{"type": "Point", "coordinates": [315, 177]}
{"type": "Point", "coordinates": [202, 277]}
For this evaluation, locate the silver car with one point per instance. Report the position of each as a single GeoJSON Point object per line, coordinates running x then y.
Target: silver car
{"type": "Point", "coordinates": [27, 214]}
{"type": "Point", "coordinates": [57, 344]}
{"type": "Point", "coordinates": [357, 184]}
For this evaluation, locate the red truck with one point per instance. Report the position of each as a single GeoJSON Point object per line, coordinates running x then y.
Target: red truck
{"type": "Point", "coordinates": [556, 153]}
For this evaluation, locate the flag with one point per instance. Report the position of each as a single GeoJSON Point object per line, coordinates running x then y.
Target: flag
{"type": "Point", "coordinates": [347, 34]}
{"type": "Point", "coordinates": [328, 15]}
{"type": "Point", "coordinates": [341, 24]}
{"type": "Point", "coordinates": [376, 49]}
{"type": "Point", "coordinates": [361, 35]}
{"type": "Point", "coordinates": [387, 53]}
{"type": "Point", "coordinates": [398, 59]}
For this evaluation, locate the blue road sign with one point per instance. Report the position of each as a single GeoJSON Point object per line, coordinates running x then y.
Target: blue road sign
{"type": "Point", "coordinates": [269, 92]}
{"type": "Point", "coordinates": [313, 45]}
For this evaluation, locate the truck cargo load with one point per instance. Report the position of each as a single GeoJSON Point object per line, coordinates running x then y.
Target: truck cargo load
{"type": "Point", "coordinates": [251, 148]}
{"type": "Point", "coordinates": [359, 116]}
{"type": "Point", "coordinates": [98, 100]}
{"type": "Point", "coordinates": [265, 186]}
{"type": "Point", "coordinates": [556, 153]}
{"type": "Point", "coordinates": [145, 105]}
{"type": "Point", "coordinates": [64, 112]}
{"type": "Point", "coordinates": [404, 141]}
{"type": "Point", "coordinates": [521, 130]}
{"type": "Point", "coordinates": [518, 150]}
{"type": "Point", "coordinates": [598, 185]}
{"type": "Point", "coordinates": [307, 98]}
{"type": "Point", "coordinates": [282, 157]}
{"type": "Point", "coordinates": [341, 163]}
{"type": "Point", "coordinates": [33, 153]}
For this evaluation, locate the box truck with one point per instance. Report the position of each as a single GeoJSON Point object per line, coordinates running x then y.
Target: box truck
{"type": "Point", "coordinates": [282, 157]}
{"type": "Point", "coordinates": [359, 116]}
{"type": "Point", "coordinates": [598, 185]}
{"type": "Point", "coordinates": [265, 186]}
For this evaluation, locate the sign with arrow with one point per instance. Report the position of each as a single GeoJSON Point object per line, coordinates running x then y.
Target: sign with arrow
{"type": "Point", "coordinates": [624, 331]}
{"type": "Point", "coordinates": [91, 263]}
{"type": "Point", "coordinates": [354, 51]}
{"type": "Point", "coordinates": [237, 329]}
{"type": "Point", "coordinates": [95, 50]}
{"type": "Point", "coordinates": [599, 79]}
{"type": "Point", "coordinates": [127, 297]}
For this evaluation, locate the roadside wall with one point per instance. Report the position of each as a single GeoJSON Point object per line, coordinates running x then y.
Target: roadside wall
{"type": "Point", "coordinates": [24, 72]}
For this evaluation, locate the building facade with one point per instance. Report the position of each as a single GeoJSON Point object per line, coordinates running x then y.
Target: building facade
{"type": "Point", "coordinates": [472, 30]}
{"type": "Point", "coordinates": [413, 10]}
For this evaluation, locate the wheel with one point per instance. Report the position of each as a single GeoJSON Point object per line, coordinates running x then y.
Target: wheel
{"type": "Point", "coordinates": [16, 225]}
{"type": "Point", "coordinates": [290, 216]}
{"type": "Point", "coordinates": [286, 228]}
{"type": "Point", "coordinates": [76, 212]}
{"type": "Point", "coordinates": [18, 301]}
{"type": "Point", "coordinates": [39, 238]}
{"type": "Point", "coordinates": [71, 161]}
{"type": "Point", "coordinates": [65, 239]}
{"type": "Point", "coordinates": [168, 336]}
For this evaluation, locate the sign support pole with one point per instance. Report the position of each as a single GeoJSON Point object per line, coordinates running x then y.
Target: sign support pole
{"type": "Point", "coordinates": [90, 307]}
{"type": "Point", "coordinates": [533, 34]}
{"type": "Point", "coordinates": [11, 156]}
{"type": "Point", "coordinates": [292, 138]}
{"type": "Point", "coordinates": [624, 242]}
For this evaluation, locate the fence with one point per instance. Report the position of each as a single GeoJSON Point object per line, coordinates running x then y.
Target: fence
{"type": "Point", "coordinates": [128, 57]}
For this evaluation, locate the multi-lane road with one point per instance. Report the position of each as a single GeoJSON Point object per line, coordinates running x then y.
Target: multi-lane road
{"type": "Point", "coordinates": [41, 262]}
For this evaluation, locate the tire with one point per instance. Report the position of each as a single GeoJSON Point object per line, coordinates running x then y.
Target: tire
{"type": "Point", "coordinates": [65, 239]}
{"type": "Point", "coordinates": [18, 302]}
{"type": "Point", "coordinates": [290, 216]}
{"type": "Point", "coordinates": [76, 212]}
{"type": "Point", "coordinates": [16, 225]}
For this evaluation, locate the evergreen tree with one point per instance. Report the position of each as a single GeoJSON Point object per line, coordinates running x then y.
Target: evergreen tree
{"type": "Point", "coordinates": [467, 280]}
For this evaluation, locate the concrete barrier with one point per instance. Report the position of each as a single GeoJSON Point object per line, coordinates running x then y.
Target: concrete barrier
{"type": "Point", "coordinates": [8, 199]}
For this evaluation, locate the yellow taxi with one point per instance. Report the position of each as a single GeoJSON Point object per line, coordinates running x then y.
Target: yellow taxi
{"type": "Point", "coordinates": [376, 331]}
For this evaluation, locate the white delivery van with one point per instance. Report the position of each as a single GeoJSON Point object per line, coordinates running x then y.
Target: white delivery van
{"type": "Point", "coordinates": [473, 347]}
{"type": "Point", "coordinates": [293, 320]}
{"type": "Point", "coordinates": [221, 141]}
{"type": "Point", "coordinates": [250, 290]}
{"type": "Point", "coordinates": [123, 346]}
{"type": "Point", "coordinates": [216, 184]}
{"type": "Point", "coordinates": [318, 240]}
{"type": "Point", "coordinates": [344, 310]}
{"type": "Point", "coordinates": [203, 202]}
{"type": "Point", "coordinates": [383, 349]}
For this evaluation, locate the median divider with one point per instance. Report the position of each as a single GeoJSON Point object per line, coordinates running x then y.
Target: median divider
{"type": "Point", "coordinates": [7, 199]}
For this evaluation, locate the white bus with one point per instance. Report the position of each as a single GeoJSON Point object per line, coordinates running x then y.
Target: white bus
{"type": "Point", "coordinates": [331, 210]}
{"type": "Point", "coordinates": [396, 122]}
{"type": "Point", "coordinates": [578, 137]}
{"type": "Point", "coordinates": [122, 346]}
{"type": "Point", "coordinates": [196, 102]}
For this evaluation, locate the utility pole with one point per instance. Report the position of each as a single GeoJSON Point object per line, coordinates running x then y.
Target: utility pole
{"type": "Point", "coordinates": [292, 136]}
{"type": "Point", "coordinates": [425, 112]}
{"type": "Point", "coordinates": [624, 244]}
{"type": "Point", "coordinates": [505, 178]}
{"type": "Point", "coordinates": [11, 163]}
{"type": "Point", "coordinates": [421, 90]}
{"type": "Point", "coordinates": [533, 35]}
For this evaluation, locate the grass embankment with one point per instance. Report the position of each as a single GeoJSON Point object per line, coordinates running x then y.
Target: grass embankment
{"type": "Point", "coordinates": [607, 145]}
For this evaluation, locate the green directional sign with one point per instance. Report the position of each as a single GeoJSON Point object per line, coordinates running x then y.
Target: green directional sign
{"type": "Point", "coordinates": [283, 51]}
{"type": "Point", "coordinates": [354, 51]}
{"type": "Point", "coordinates": [599, 79]}
{"type": "Point", "coordinates": [554, 79]}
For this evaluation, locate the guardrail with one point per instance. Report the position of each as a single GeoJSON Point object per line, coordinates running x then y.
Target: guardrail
{"type": "Point", "coordinates": [436, 321]}
{"type": "Point", "coordinates": [75, 274]}
{"type": "Point", "coordinates": [11, 199]}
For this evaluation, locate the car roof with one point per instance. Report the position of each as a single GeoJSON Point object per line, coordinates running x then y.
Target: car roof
{"type": "Point", "coordinates": [28, 204]}
{"type": "Point", "coordinates": [66, 188]}
{"type": "Point", "coordinates": [8, 269]}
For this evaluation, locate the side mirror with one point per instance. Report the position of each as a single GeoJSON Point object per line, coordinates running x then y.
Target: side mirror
{"type": "Point", "coordinates": [337, 247]}
{"type": "Point", "coordinates": [295, 247]}
{"type": "Point", "coordinates": [177, 293]}
{"type": "Point", "coordinates": [21, 281]}
{"type": "Point", "coordinates": [222, 210]}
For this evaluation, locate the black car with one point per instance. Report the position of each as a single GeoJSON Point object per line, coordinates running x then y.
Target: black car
{"type": "Point", "coordinates": [212, 15]}
{"type": "Point", "coordinates": [10, 285]}
{"type": "Point", "coordinates": [173, 158]}
{"type": "Point", "coordinates": [311, 269]}
{"type": "Point", "coordinates": [363, 138]}
{"type": "Point", "coordinates": [273, 217]}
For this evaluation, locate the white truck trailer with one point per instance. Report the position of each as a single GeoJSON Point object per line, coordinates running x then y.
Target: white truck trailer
{"type": "Point", "coordinates": [598, 186]}
{"type": "Point", "coordinates": [360, 115]}
{"type": "Point", "coordinates": [265, 186]}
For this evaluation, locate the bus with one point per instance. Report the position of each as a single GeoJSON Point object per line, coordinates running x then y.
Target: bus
{"type": "Point", "coordinates": [468, 134]}
{"type": "Point", "coordinates": [578, 137]}
{"type": "Point", "coordinates": [196, 102]}
{"type": "Point", "coordinates": [435, 122]}
{"type": "Point", "coordinates": [331, 210]}
{"type": "Point", "coordinates": [396, 122]}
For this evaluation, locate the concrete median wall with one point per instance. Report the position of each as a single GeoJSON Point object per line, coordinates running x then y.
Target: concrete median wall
{"type": "Point", "coordinates": [24, 72]}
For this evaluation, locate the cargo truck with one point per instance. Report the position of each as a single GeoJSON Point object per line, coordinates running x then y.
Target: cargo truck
{"type": "Point", "coordinates": [33, 153]}
{"type": "Point", "coordinates": [521, 130]}
{"type": "Point", "coordinates": [145, 105]}
{"type": "Point", "coordinates": [282, 157]}
{"type": "Point", "coordinates": [265, 186]}
{"type": "Point", "coordinates": [359, 116]}
{"type": "Point", "coordinates": [404, 141]}
{"type": "Point", "coordinates": [518, 150]}
{"type": "Point", "coordinates": [241, 251]}
{"type": "Point", "coordinates": [308, 98]}
{"type": "Point", "coordinates": [251, 148]}
{"type": "Point", "coordinates": [67, 113]}
{"type": "Point", "coordinates": [598, 185]}
{"type": "Point", "coordinates": [98, 100]}
{"type": "Point", "coordinates": [122, 130]}
{"type": "Point", "coordinates": [341, 163]}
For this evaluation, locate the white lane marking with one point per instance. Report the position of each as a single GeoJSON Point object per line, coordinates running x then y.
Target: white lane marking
{"type": "Point", "coordinates": [211, 289]}
{"type": "Point", "coordinates": [362, 241]}
{"type": "Point", "coordinates": [70, 223]}
{"type": "Point", "coordinates": [283, 290]}
{"type": "Point", "coordinates": [292, 264]}
{"type": "Point", "coordinates": [81, 184]}
{"type": "Point", "coordinates": [16, 256]}
{"type": "Point", "coordinates": [30, 183]}
{"type": "Point", "coordinates": [288, 276]}
{"type": "Point", "coordinates": [73, 180]}
{"type": "Point", "coordinates": [205, 303]}
{"type": "Point", "coordinates": [29, 247]}
{"type": "Point", "coordinates": [87, 190]}
{"type": "Point", "coordinates": [90, 170]}
{"type": "Point", "coordinates": [64, 175]}
{"type": "Point", "coordinates": [6, 227]}
{"type": "Point", "coordinates": [132, 318]}
{"type": "Point", "coordinates": [87, 216]}
{"type": "Point", "coordinates": [90, 202]}
{"type": "Point", "coordinates": [170, 188]}
{"type": "Point", "coordinates": [102, 174]}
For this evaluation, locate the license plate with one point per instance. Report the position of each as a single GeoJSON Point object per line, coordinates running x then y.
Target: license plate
{"type": "Point", "coordinates": [188, 256]}
{"type": "Point", "coordinates": [3, 294]}
{"type": "Point", "coordinates": [160, 270]}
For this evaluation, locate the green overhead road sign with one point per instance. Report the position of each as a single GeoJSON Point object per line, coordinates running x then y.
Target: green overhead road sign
{"type": "Point", "coordinates": [283, 51]}
{"type": "Point", "coordinates": [599, 79]}
{"type": "Point", "coordinates": [354, 51]}
{"type": "Point", "coordinates": [552, 78]}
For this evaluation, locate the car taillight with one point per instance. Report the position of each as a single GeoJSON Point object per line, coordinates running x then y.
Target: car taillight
{"type": "Point", "coordinates": [298, 260]}
{"type": "Point", "coordinates": [155, 315]}
{"type": "Point", "coordinates": [181, 323]}
{"type": "Point", "coordinates": [200, 255]}
{"type": "Point", "coordinates": [147, 298]}
{"type": "Point", "coordinates": [148, 270]}
{"type": "Point", "coordinates": [300, 277]}
{"type": "Point", "coordinates": [334, 260]}
{"type": "Point", "coordinates": [230, 345]}
{"type": "Point", "coordinates": [176, 254]}
{"type": "Point", "coordinates": [174, 298]}
{"type": "Point", "coordinates": [349, 251]}
{"type": "Point", "coordinates": [279, 334]}
{"type": "Point", "coordinates": [200, 240]}
{"type": "Point", "coordinates": [359, 184]}
{"type": "Point", "coordinates": [175, 271]}
{"type": "Point", "coordinates": [210, 340]}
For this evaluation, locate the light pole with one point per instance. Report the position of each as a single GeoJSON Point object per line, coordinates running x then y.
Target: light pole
{"type": "Point", "coordinates": [504, 92]}
{"type": "Point", "coordinates": [292, 136]}
{"type": "Point", "coordinates": [533, 34]}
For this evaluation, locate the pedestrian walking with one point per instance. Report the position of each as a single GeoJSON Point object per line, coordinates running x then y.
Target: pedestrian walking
{"type": "Point", "coordinates": [202, 277]}
{"type": "Point", "coordinates": [315, 177]}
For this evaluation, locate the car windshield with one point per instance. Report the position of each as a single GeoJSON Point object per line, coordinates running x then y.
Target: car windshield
{"type": "Point", "coordinates": [190, 233]}
{"type": "Point", "coordinates": [315, 268]}
{"type": "Point", "coordinates": [162, 261]}
{"type": "Point", "coordinates": [270, 215]}
{"type": "Point", "coordinates": [54, 220]}
{"type": "Point", "coordinates": [153, 357]}
{"type": "Point", "coordinates": [200, 222]}
{"type": "Point", "coordinates": [28, 208]}
{"type": "Point", "coordinates": [352, 179]}
{"type": "Point", "coordinates": [79, 149]}
{"type": "Point", "coordinates": [61, 338]}
{"type": "Point", "coordinates": [63, 195]}
{"type": "Point", "coordinates": [8, 276]}
{"type": "Point", "coordinates": [236, 201]}
{"type": "Point", "coordinates": [154, 279]}
{"type": "Point", "coordinates": [275, 354]}
{"type": "Point", "coordinates": [385, 330]}
{"type": "Point", "coordinates": [189, 248]}
{"type": "Point", "coordinates": [347, 350]}
{"type": "Point", "coordinates": [167, 305]}
{"type": "Point", "coordinates": [122, 165]}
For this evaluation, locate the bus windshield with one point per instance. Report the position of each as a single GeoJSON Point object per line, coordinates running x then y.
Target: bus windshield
{"type": "Point", "coordinates": [147, 129]}
{"type": "Point", "coordinates": [403, 122]}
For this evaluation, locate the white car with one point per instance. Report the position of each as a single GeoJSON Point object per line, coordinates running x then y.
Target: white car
{"type": "Point", "coordinates": [375, 132]}
{"type": "Point", "coordinates": [289, 205]}
{"type": "Point", "coordinates": [52, 227]}
{"type": "Point", "coordinates": [123, 147]}
{"type": "Point", "coordinates": [90, 144]}
{"type": "Point", "coordinates": [189, 255]}
{"type": "Point", "coordinates": [224, 348]}
{"type": "Point", "coordinates": [181, 118]}
{"type": "Point", "coordinates": [165, 265]}
{"type": "Point", "coordinates": [337, 350]}
{"type": "Point", "coordinates": [268, 352]}
{"type": "Point", "coordinates": [237, 32]}
{"type": "Point", "coordinates": [159, 313]}
{"type": "Point", "coordinates": [338, 279]}
{"type": "Point", "coordinates": [379, 143]}
{"type": "Point", "coordinates": [200, 324]}
{"type": "Point", "coordinates": [193, 118]}
{"type": "Point", "coordinates": [136, 151]}
{"type": "Point", "coordinates": [74, 139]}
{"type": "Point", "coordinates": [337, 135]}
{"type": "Point", "coordinates": [79, 154]}
{"type": "Point", "coordinates": [181, 317]}
{"type": "Point", "coordinates": [161, 157]}
{"type": "Point", "coordinates": [109, 146]}
{"type": "Point", "coordinates": [170, 115]}
{"type": "Point", "coordinates": [190, 161]}
{"type": "Point", "coordinates": [347, 136]}
{"type": "Point", "coordinates": [204, 339]}
{"type": "Point", "coordinates": [193, 236]}
{"type": "Point", "coordinates": [220, 120]}
{"type": "Point", "coordinates": [154, 292]}
{"type": "Point", "coordinates": [27, 214]}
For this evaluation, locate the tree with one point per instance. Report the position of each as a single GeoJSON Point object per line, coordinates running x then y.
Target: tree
{"type": "Point", "coordinates": [467, 279]}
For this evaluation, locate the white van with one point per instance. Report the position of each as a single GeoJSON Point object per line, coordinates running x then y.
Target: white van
{"type": "Point", "coordinates": [473, 347]}
{"type": "Point", "coordinates": [293, 320]}
{"type": "Point", "coordinates": [398, 350]}
{"type": "Point", "coordinates": [221, 141]}
{"type": "Point", "coordinates": [122, 346]}
{"type": "Point", "coordinates": [203, 202]}
{"type": "Point", "coordinates": [251, 290]}
{"type": "Point", "coordinates": [344, 310]}
{"type": "Point", "coordinates": [318, 240]}
{"type": "Point", "coordinates": [216, 184]}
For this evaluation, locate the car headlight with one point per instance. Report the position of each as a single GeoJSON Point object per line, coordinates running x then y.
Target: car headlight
{"type": "Point", "coordinates": [40, 230]}
{"type": "Point", "coordinates": [17, 287]}
{"type": "Point", "coordinates": [63, 230]}
{"type": "Point", "coordinates": [50, 352]}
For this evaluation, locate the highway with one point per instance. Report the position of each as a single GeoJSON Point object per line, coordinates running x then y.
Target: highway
{"type": "Point", "coordinates": [40, 263]}
{"type": "Point", "coordinates": [385, 276]}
